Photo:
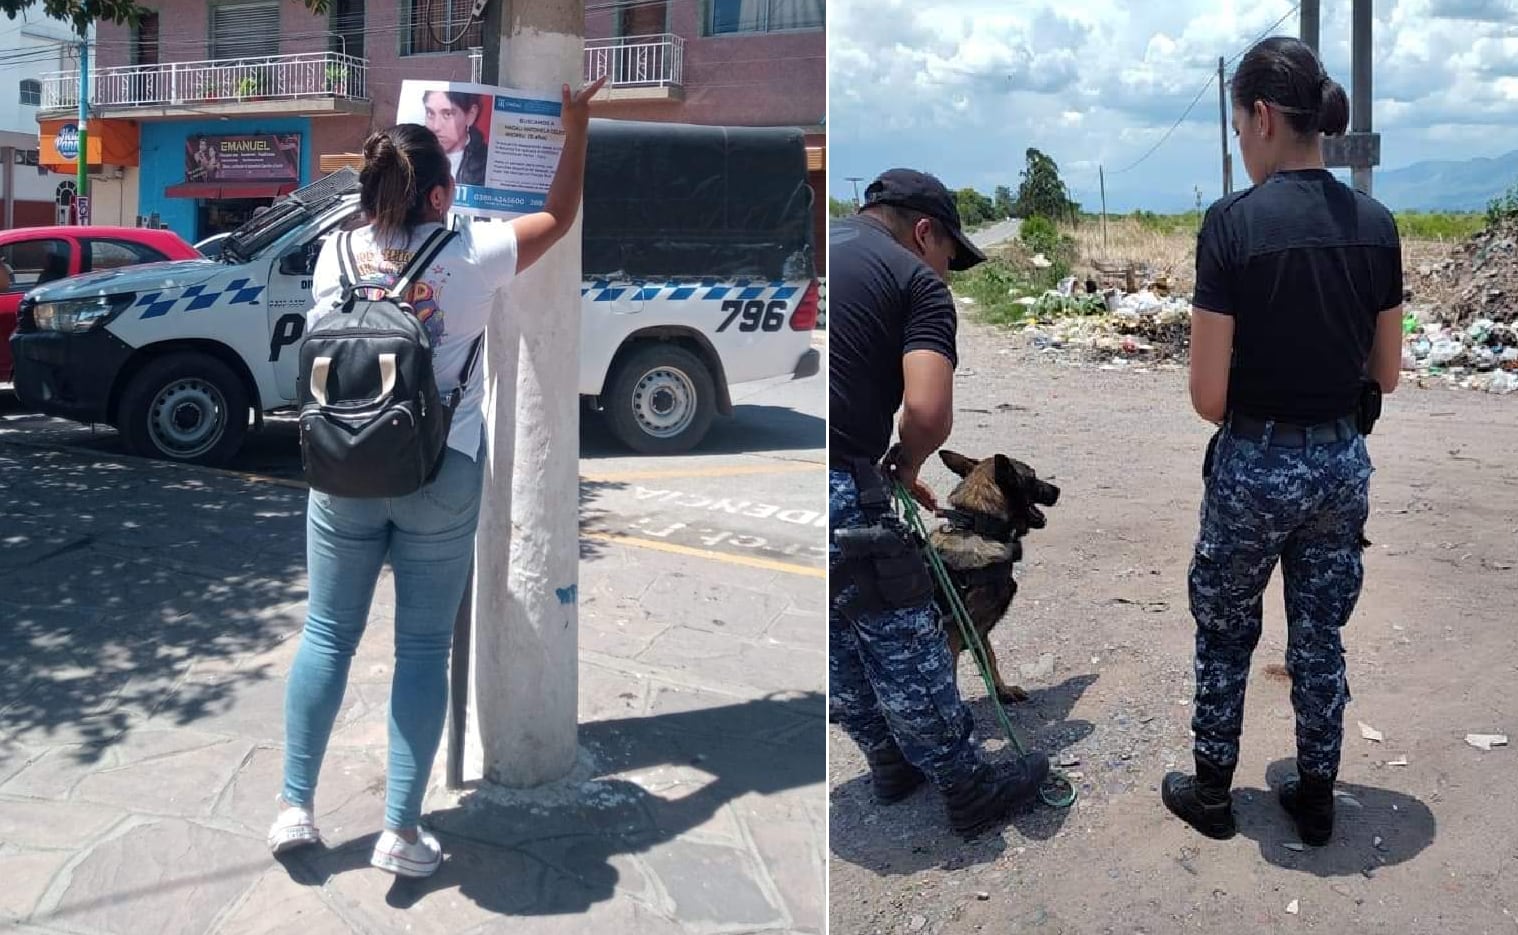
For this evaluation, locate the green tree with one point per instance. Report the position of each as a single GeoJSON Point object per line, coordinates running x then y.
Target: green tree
{"type": "Point", "coordinates": [838, 208]}
{"type": "Point", "coordinates": [974, 208]}
{"type": "Point", "coordinates": [1004, 203]}
{"type": "Point", "coordinates": [1042, 193]}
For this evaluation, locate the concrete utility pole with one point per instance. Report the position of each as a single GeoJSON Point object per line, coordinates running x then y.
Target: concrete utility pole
{"type": "Point", "coordinates": [856, 180]}
{"type": "Point", "coordinates": [1360, 149]}
{"type": "Point", "coordinates": [1309, 29]}
{"type": "Point", "coordinates": [525, 648]}
{"type": "Point", "coordinates": [1360, 100]}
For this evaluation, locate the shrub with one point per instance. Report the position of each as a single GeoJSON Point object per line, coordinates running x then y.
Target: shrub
{"type": "Point", "coordinates": [1504, 209]}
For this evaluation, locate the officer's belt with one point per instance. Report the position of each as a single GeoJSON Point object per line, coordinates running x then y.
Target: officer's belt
{"type": "Point", "coordinates": [1287, 435]}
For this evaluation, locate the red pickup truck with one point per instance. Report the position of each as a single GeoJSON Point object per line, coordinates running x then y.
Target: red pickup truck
{"type": "Point", "coordinates": [30, 256]}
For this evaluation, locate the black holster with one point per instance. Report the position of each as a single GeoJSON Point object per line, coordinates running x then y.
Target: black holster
{"type": "Point", "coordinates": [882, 559]}
{"type": "Point", "coordinates": [1211, 455]}
{"type": "Point", "coordinates": [1368, 409]}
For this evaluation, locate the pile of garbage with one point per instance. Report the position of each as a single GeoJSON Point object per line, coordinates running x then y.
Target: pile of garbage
{"type": "Point", "coordinates": [1111, 327]}
{"type": "Point", "coordinates": [1479, 281]}
{"type": "Point", "coordinates": [1482, 355]}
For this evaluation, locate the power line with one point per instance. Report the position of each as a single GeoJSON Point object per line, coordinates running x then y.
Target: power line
{"type": "Point", "coordinates": [1205, 87]}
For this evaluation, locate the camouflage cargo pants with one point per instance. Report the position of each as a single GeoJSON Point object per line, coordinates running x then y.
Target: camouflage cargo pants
{"type": "Point", "coordinates": [890, 675]}
{"type": "Point", "coordinates": [1303, 506]}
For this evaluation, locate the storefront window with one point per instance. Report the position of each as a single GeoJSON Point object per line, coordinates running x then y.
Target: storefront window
{"type": "Point", "coordinates": [217, 217]}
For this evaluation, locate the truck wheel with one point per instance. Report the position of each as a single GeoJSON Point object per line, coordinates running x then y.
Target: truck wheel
{"type": "Point", "coordinates": [661, 399]}
{"type": "Point", "coordinates": [185, 407]}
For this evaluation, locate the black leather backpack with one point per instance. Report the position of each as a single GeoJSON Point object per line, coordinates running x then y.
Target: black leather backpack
{"type": "Point", "coordinates": [372, 423]}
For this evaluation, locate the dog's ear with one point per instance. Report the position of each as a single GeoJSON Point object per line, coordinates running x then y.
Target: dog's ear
{"type": "Point", "coordinates": [957, 462]}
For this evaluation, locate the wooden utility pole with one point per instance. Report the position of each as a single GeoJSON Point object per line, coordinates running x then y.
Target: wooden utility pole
{"type": "Point", "coordinates": [1223, 128]}
{"type": "Point", "coordinates": [1101, 176]}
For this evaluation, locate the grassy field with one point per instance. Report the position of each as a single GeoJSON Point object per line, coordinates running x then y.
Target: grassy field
{"type": "Point", "coordinates": [1165, 244]}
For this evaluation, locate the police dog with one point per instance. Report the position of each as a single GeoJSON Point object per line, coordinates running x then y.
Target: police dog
{"type": "Point", "coordinates": [994, 505]}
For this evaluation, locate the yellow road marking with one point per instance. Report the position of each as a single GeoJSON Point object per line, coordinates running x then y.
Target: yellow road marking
{"type": "Point", "coordinates": [780, 467]}
{"type": "Point", "coordinates": [749, 560]}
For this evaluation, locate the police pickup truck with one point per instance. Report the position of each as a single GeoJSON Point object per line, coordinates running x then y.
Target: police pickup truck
{"type": "Point", "coordinates": [698, 273]}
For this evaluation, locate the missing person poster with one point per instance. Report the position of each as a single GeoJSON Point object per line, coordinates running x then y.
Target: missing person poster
{"type": "Point", "coordinates": [503, 144]}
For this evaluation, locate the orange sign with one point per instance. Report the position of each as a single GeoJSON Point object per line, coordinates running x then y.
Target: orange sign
{"type": "Point", "coordinates": [111, 143]}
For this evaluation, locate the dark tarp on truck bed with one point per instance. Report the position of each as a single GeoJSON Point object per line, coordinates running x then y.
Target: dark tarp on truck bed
{"type": "Point", "coordinates": [669, 200]}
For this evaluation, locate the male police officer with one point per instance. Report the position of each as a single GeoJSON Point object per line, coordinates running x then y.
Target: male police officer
{"type": "Point", "coordinates": [892, 337]}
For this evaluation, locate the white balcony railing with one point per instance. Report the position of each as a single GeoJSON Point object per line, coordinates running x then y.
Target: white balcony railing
{"type": "Point", "coordinates": [306, 75]}
{"type": "Point", "coordinates": [637, 61]}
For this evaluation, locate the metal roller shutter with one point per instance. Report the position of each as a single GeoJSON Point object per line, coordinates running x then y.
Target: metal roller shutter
{"type": "Point", "coordinates": [245, 30]}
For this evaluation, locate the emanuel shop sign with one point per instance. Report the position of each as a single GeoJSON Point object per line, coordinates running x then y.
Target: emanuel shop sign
{"type": "Point", "coordinates": [250, 157]}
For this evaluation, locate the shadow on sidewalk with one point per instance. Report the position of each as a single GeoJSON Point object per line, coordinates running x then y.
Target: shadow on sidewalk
{"type": "Point", "coordinates": [129, 592]}
{"type": "Point", "coordinates": [913, 835]}
{"type": "Point", "coordinates": [751, 428]}
{"type": "Point", "coordinates": [562, 850]}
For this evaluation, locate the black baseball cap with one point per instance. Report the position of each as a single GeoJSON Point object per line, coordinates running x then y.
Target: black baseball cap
{"type": "Point", "coordinates": [919, 191]}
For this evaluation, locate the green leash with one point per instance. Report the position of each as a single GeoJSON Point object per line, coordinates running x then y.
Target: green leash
{"type": "Point", "coordinates": [1057, 791]}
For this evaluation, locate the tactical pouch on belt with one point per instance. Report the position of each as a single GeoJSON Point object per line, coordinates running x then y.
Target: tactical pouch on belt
{"type": "Point", "coordinates": [886, 567]}
{"type": "Point", "coordinates": [1369, 409]}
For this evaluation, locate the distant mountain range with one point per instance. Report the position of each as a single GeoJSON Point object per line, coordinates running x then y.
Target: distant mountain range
{"type": "Point", "coordinates": [1443, 185]}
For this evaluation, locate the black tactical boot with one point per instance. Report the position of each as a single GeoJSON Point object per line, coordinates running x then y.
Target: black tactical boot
{"type": "Point", "coordinates": [992, 791]}
{"type": "Point", "coordinates": [892, 776]}
{"type": "Point", "coordinates": [1310, 800]}
{"type": "Point", "coordinates": [1202, 801]}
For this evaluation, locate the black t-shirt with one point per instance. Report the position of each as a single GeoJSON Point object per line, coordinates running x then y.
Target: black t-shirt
{"type": "Point", "coordinates": [883, 301]}
{"type": "Point", "coordinates": [1304, 264]}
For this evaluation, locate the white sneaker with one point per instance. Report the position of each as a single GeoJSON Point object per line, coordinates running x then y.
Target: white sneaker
{"type": "Point", "coordinates": [393, 854]}
{"type": "Point", "coordinates": [294, 827]}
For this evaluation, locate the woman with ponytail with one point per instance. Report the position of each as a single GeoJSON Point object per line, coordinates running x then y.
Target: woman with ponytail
{"type": "Point", "coordinates": [1296, 333]}
{"type": "Point", "coordinates": [406, 191]}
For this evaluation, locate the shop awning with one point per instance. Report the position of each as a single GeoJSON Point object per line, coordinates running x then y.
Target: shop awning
{"type": "Point", "coordinates": [215, 190]}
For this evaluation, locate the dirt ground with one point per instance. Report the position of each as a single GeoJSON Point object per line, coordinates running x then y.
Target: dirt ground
{"type": "Point", "coordinates": [1432, 846]}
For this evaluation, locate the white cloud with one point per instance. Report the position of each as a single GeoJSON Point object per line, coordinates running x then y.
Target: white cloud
{"type": "Point", "coordinates": [963, 88]}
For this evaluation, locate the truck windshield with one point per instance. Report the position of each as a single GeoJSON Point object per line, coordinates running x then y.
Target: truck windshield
{"type": "Point", "coordinates": [287, 214]}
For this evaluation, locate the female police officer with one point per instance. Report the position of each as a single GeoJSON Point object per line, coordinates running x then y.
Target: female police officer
{"type": "Point", "coordinates": [1298, 308]}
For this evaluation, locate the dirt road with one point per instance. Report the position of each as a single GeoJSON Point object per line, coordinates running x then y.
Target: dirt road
{"type": "Point", "coordinates": [1432, 846]}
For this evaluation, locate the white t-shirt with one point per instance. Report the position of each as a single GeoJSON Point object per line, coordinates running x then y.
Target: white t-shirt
{"type": "Point", "coordinates": [453, 299]}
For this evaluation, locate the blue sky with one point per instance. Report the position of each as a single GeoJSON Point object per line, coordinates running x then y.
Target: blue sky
{"type": "Point", "coordinates": [962, 89]}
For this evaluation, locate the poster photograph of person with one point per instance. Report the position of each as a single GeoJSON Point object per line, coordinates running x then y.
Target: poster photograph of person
{"type": "Point", "coordinates": [246, 157]}
{"type": "Point", "coordinates": [503, 143]}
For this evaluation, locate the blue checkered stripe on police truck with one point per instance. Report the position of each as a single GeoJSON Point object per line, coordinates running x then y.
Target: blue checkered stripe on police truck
{"type": "Point", "coordinates": [238, 291]}
{"type": "Point", "coordinates": [705, 290]}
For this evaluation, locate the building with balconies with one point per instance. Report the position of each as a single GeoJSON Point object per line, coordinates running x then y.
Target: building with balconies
{"type": "Point", "coordinates": [230, 103]}
{"type": "Point", "coordinates": [34, 43]}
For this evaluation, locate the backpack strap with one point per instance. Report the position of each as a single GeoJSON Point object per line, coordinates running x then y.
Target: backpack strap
{"type": "Point", "coordinates": [468, 371]}
{"type": "Point", "coordinates": [347, 263]}
{"type": "Point", "coordinates": [421, 259]}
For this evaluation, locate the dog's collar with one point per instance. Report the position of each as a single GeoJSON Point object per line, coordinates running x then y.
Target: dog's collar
{"type": "Point", "coordinates": [961, 521]}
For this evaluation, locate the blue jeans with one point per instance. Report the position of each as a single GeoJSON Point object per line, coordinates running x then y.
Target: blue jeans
{"type": "Point", "coordinates": [429, 538]}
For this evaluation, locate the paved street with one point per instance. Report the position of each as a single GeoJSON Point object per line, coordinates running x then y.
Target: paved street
{"type": "Point", "coordinates": [1000, 232]}
{"type": "Point", "coordinates": [152, 612]}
